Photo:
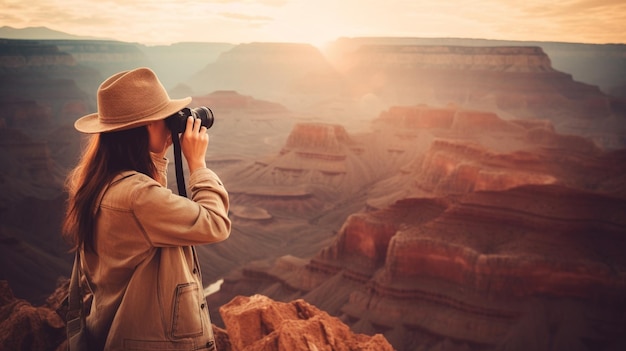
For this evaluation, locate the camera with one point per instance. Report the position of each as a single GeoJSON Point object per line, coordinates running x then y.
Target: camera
{"type": "Point", "coordinates": [178, 122]}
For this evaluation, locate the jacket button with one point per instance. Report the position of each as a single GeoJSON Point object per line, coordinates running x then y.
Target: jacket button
{"type": "Point", "coordinates": [202, 306]}
{"type": "Point", "coordinates": [195, 270]}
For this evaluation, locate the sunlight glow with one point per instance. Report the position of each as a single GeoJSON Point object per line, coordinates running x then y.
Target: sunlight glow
{"type": "Point", "coordinates": [316, 22]}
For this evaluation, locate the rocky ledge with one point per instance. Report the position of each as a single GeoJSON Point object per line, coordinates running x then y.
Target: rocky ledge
{"type": "Point", "coordinates": [259, 323]}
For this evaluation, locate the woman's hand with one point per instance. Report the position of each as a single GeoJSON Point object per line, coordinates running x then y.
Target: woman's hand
{"type": "Point", "coordinates": [194, 143]}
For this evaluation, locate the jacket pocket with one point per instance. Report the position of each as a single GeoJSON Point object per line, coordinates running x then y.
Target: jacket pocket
{"type": "Point", "coordinates": [187, 318]}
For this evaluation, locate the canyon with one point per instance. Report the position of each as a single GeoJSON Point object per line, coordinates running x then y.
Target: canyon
{"type": "Point", "coordinates": [505, 222]}
{"type": "Point", "coordinates": [457, 195]}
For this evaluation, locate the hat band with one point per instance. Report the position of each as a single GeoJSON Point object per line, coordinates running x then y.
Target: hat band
{"type": "Point", "coordinates": [131, 117]}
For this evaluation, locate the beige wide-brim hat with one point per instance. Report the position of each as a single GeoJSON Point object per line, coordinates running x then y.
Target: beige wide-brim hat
{"type": "Point", "coordinates": [130, 99]}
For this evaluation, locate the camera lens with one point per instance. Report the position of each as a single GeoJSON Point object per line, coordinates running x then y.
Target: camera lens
{"type": "Point", "coordinates": [204, 114]}
{"type": "Point", "coordinates": [177, 122]}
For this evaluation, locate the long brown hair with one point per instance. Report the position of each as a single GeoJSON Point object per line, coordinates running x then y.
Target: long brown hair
{"type": "Point", "coordinates": [105, 155]}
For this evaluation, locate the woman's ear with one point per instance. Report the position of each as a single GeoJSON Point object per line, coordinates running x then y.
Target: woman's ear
{"type": "Point", "coordinates": [151, 127]}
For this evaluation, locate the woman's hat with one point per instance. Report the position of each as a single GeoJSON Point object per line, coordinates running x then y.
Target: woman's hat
{"type": "Point", "coordinates": [130, 99]}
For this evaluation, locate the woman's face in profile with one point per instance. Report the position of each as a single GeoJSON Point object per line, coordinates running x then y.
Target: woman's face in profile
{"type": "Point", "coordinates": [160, 137]}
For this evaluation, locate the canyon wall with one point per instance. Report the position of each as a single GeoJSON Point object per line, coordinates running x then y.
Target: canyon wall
{"type": "Point", "coordinates": [596, 64]}
{"type": "Point", "coordinates": [501, 59]}
{"type": "Point", "coordinates": [514, 82]}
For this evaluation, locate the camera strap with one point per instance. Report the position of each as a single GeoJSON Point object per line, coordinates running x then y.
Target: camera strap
{"type": "Point", "coordinates": [178, 162]}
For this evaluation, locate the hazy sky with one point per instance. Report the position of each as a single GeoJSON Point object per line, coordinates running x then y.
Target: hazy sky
{"type": "Point", "coordinates": [318, 21]}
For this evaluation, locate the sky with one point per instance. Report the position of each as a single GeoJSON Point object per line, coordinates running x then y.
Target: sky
{"type": "Point", "coordinates": [153, 22]}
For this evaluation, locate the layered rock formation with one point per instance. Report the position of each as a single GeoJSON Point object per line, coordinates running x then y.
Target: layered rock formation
{"type": "Point", "coordinates": [505, 255]}
{"type": "Point", "coordinates": [489, 254]}
{"type": "Point", "coordinates": [501, 59]}
{"type": "Point", "coordinates": [319, 163]}
{"type": "Point", "coordinates": [476, 150]}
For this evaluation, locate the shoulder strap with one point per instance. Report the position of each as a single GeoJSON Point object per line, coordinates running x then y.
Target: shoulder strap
{"type": "Point", "coordinates": [76, 328]}
{"type": "Point", "coordinates": [75, 298]}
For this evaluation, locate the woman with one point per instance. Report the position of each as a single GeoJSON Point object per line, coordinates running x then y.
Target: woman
{"type": "Point", "coordinates": [134, 235]}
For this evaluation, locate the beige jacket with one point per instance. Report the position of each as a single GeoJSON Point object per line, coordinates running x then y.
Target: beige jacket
{"type": "Point", "coordinates": [145, 276]}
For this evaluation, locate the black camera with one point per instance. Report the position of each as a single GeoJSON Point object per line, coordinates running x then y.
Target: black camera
{"type": "Point", "coordinates": [178, 122]}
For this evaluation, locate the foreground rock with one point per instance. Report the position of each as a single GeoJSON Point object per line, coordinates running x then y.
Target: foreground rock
{"type": "Point", "coordinates": [259, 323]}
{"type": "Point", "coordinates": [25, 327]}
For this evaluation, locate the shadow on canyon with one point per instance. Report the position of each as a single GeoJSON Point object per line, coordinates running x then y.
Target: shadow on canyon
{"type": "Point", "coordinates": [449, 194]}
